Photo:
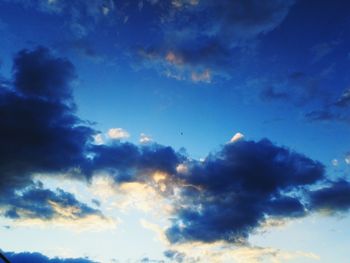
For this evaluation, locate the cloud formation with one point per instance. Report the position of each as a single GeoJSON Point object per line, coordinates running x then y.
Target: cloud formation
{"type": "Point", "coordinates": [224, 198]}
{"type": "Point", "coordinates": [331, 199]}
{"type": "Point", "coordinates": [235, 190]}
{"type": "Point", "coordinates": [38, 203]}
{"type": "Point", "coordinates": [117, 134]}
{"type": "Point", "coordinates": [196, 45]}
{"type": "Point", "coordinates": [27, 257]}
{"type": "Point", "coordinates": [39, 131]}
{"type": "Point", "coordinates": [192, 40]}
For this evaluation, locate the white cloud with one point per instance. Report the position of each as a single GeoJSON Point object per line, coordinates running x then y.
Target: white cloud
{"type": "Point", "coordinates": [98, 139]}
{"type": "Point", "coordinates": [182, 168]}
{"type": "Point", "coordinates": [145, 138]}
{"type": "Point", "coordinates": [117, 134]}
{"type": "Point", "coordinates": [237, 137]}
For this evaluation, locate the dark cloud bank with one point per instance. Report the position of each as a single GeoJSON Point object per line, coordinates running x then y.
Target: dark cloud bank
{"type": "Point", "coordinates": [224, 198]}
{"type": "Point", "coordinates": [26, 257]}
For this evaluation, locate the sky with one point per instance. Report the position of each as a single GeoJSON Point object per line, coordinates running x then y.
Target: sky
{"type": "Point", "coordinates": [180, 131]}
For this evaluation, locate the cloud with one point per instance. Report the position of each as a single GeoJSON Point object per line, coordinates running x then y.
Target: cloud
{"type": "Point", "coordinates": [118, 133]}
{"type": "Point", "coordinates": [236, 189]}
{"type": "Point", "coordinates": [336, 111]}
{"type": "Point", "coordinates": [188, 43]}
{"type": "Point", "coordinates": [28, 257]}
{"type": "Point", "coordinates": [145, 138]}
{"type": "Point", "coordinates": [175, 255]}
{"type": "Point", "coordinates": [307, 92]}
{"type": "Point", "coordinates": [335, 162]}
{"type": "Point", "coordinates": [197, 46]}
{"type": "Point", "coordinates": [237, 137]}
{"type": "Point", "coordinates": [46, 136]}
{"type": "Point", "coordinates": [99, 139]}
{"type": "Point", "coordinates": [128, 162]}
{"type": "Point", "coordinates": [36, 202]}
{"type": "Point", "coordinates": [221, 252]}
{"type": "Point", "coordinates": [331, 199]}
{"type": "Point", "coordinates": [224, 198]}
{"type": "Point", "coordinates": [204, 76]}
{"type": "Point", "coordinates": [37, 73]}
{"type": "Point", "coordinates": [347, 158]}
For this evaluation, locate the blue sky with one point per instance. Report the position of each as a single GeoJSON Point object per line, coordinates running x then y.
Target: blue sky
{"type": "Point", "coordinates": [174, 131]}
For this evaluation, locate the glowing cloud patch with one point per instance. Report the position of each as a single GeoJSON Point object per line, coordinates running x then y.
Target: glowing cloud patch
{"type": "Point", "coordinates": [237, 137]}
{"type": "Point", "coordinates": [117, 134]}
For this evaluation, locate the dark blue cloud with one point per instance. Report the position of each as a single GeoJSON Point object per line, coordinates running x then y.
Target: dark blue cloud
{"type": "Point", "coordinates": [332, 199]}
{"type": "Point", "coordinates": [126, 161]}
{"type": "Point", "coordinates": [36, 202]}
{"type": "Point", "coordinates": [37, 73]}
{"type": "Point", "coordinates": [40, 132]}
{"type": "Point", "coordinates": [235, 190]}
{"type": "Point", "coordinates": [27, 257]}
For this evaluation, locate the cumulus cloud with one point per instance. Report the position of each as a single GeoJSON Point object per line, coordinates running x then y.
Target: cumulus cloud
{"type": "Point", "coordinates": [238, 188]}
{"type": "Point", "coordinates": [47, 136]}
{"type": "Point", "coordinates": [118, 134]}
{"type": "Point", "coordinates": [37, 73]}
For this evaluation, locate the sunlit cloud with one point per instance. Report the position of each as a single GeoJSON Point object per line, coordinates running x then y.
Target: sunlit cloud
{"type": "Point", "coordinates": [98, 139]}
{"type": "Point", "coordinates": [145, 138]}
{"type": "Point", "coordinates": [237, 137]}
{"type": "Point", "coordinates": [117, 134]}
